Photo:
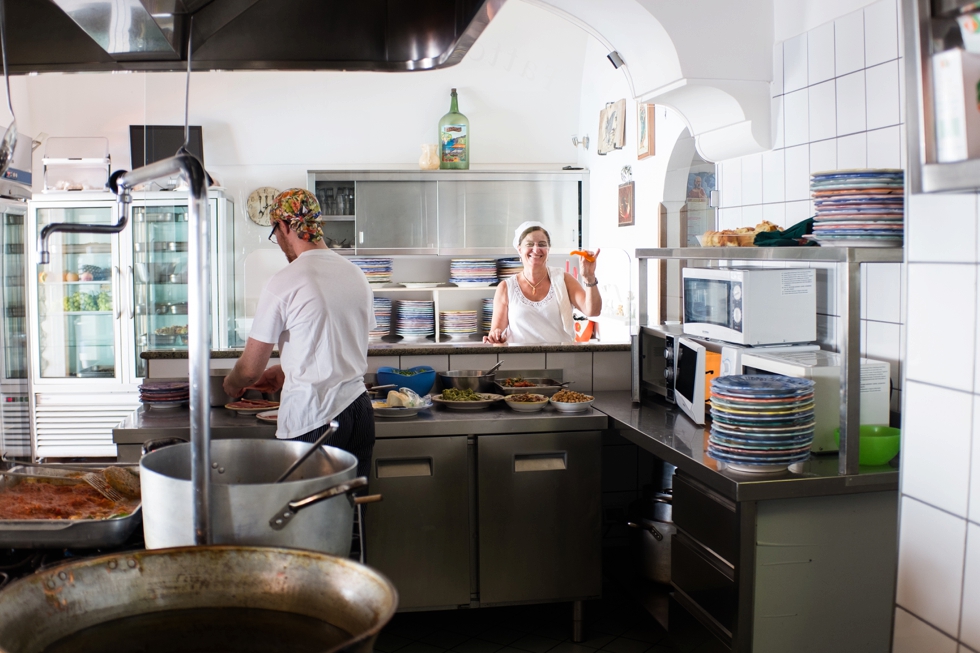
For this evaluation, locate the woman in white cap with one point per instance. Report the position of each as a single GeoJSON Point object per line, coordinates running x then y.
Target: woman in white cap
{"type": "Point", "coordinates": [535, 305]}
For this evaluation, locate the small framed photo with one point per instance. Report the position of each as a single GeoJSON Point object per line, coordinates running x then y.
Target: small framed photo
{"type": "Point", "coordinates": [645, 143]}
{"type": "Point", "coordinates": [612, 127]}
{"type": "Point", "coordinates": [626, 217]}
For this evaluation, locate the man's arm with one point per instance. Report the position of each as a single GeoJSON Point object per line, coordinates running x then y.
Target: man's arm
{"type": "Point", "coordinates": [249, 367]}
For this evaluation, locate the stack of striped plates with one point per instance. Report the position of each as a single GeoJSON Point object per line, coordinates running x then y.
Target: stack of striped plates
{"type": "Point", "coordinates": [761, 423]}
{"type": "Point", "coordinates": [382, 315]}
{"type": "Point", "coordinates": [508, 267]}
{"type": "Point", "coordinates": [858, 208]}
{"type": "Point", "coordinates": [457, 323]}
{"type": "Point", "coordinates": [486, 314]}
{"type": "Point", "coordinates": [377, 270]}
{"type": "Point", "coordinates": [473, 271]}
{"type": "Point", "coordinates": [416, 319]}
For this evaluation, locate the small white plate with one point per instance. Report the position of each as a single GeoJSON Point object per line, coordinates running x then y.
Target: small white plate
{"type": "Point", "coordinates": [572, 407]}
{"type": "Point", "coordinates": [421, 284]}
{"type": "Point", "coordinates": [271, 416]}
{"type": "Point", "coordinates": [487, 400]}
{"type": "Point", "coordinates": [526, 406]}
{"type": "Point", "coordinates": [388, 411]}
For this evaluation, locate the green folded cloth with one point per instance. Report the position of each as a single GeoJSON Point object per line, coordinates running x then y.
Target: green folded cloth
{"type": "Point", "coordinates": [791, 237]}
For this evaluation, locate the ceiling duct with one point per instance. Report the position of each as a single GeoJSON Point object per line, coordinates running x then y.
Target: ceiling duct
{"type": "Point", "coordinates": [379, 35]}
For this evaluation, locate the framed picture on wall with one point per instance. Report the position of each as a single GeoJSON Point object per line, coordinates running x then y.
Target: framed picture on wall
{"type": "Point", "coordinates": [626, 217]}
{"type": "Point", "coordinates": [612, 127]}
{"type": "Point", "coordinates": [645, 144]}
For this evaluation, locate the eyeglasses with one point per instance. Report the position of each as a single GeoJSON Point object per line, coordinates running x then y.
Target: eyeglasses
{"type": "Point", "coordinates": [540, 245]}
{"type": "Point", "coordinates": [272, 235]}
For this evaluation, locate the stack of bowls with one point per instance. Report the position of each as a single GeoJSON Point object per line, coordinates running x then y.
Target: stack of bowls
{"type": "Point", "coordinates": [761, 423]}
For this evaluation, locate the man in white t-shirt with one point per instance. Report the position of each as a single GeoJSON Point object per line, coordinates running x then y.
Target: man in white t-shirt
{"type": "Point", "coordinates": [319, 310]}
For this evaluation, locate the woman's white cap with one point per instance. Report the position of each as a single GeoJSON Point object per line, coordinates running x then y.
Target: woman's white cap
{"type": "Point", "coordinates": [524, 226]}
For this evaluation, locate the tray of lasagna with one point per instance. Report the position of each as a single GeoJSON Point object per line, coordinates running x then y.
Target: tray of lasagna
{"type": "Point", "coordinates": [61, 509]}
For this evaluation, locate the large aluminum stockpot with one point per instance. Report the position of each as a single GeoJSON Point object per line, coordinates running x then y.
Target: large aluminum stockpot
{"type": "Point", "coordinates": [245, 501]}
{"type": "Point", "coordinates": [475, 380]}
{"type": "Point", "coordinates": [243, 599]}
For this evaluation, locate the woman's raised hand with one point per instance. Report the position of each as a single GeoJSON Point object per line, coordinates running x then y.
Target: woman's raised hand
{"type": "Point", "coordinates": [587, 269]}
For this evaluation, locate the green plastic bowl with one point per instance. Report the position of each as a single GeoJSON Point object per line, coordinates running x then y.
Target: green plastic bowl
{"type": "Point", "coordinates": [879, 444]}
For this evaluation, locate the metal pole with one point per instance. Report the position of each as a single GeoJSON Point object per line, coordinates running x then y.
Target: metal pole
{"type": "Point", "coordinates": [849, 301]}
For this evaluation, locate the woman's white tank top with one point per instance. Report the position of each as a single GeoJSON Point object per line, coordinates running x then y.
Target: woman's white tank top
{"type": "Point", "coordinates": [536, 322]}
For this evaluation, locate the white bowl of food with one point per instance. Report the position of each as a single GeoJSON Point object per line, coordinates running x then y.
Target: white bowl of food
{"type": "Point", "coordinates": [526, 402]}
{"type": "Point", "coordinates": [569, 401]}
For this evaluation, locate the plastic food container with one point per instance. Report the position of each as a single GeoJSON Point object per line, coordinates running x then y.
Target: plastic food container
{"type": "Point", "coordinates": [420, 383]}
{"type": "Point", "coordinates": [878, 443]}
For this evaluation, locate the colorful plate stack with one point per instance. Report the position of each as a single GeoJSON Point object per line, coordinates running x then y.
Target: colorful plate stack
{"type": "Point", "coordinates": [457, 323]}
{"type": "Point", "coordinates": [486, 314]}
{"type": "Point", "coordinates": [377, 270]}
{"type": "Point", "coordinates": [761, 423]}
{"type": "Point", "coordinates": [508, 267]}
{"type": "Point", "coordinates": [858, 208]}
{"type": "Point", "coordinates": [165, 394]}
{"type": "Point", "coordinates": [382, 315]}
{"type": "Point", "coordinates": [481, 271]}
{"type": "Point", "coordinates": [416, 319]}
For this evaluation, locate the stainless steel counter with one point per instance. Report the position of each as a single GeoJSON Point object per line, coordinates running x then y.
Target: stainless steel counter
{"type": "Point", "coordinates": [666, 432]}
{"type": "Point", "coordinates": [145, 424]}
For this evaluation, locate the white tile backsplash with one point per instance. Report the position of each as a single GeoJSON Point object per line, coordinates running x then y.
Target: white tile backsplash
{"type": "Point", "coordinates": [852, 151]}
{"type": "Point", "coordinates": [778, 123]}
{"type": "Point", "coordinates": [936, 434]}
{"type": "Point", "coordinates": [930, 564]}
{"type": "Point", "coordinates": [776, 86]}
{"type": "Point", "coordinates": [752, 179]}
{"type": "Point", "coordinates": [851, 106]}
{"type": "Point", "coordinates": [776, 214]}
{"type": "Point", "coordinates": [823, 156]}
{"type": "Point", "coordinates": [932, 218]}
{"type": "Point", "coordinates": [795, 63]}
{"type": "Point", "coordinates": [375, 362]}
{"type": "Point", "coordinates": [820, 54]}
{"type": "Point", "coordinates": [440, 363]}
{"type": "Point", "coordinates": [823, 111]}
{"type": "Point", "coordinates": [884, 147]}
{"type": "Point", "coordinates": [881, 84]}
{"type": "Point", "coordinates": [610, 370]}
{"type": "Point", "coordinates": [880, 32]}
{"type": "Point", "coordinates": [576, 367]}
{"type": "Point", "coordinates": [773, 176]}
{"type": "Point", "coordinates": [849, 42]}
{"type": "Point", "coordinates": [522, 361]}
{"type": "Point", "coordinates": [797, 112]}
{"type": "Point", "coordinates": [797, 212]}
{"type": "Point", "coordinates": [912, 635]}
{"type": "Point", "coordinates": [472, 361]}
{"type": "Point", "coordinates": [731, 183]}
{"type": "Point", "coordinates": [970, 618]}
{"type": "Point", "coordinates": [883, 292]}
{"type": "Point", "coordinates": [797, 173]}
{"type": "Point", "coordinates": [948, 291]}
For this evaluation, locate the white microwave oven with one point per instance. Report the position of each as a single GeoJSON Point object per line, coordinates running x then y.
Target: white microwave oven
{"type": "Point", "coordinates": [823, 367]}
{"type": "Point", "coordinates": [758, 306]}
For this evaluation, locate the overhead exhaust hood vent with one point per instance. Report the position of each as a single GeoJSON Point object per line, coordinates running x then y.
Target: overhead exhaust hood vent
{"type": "Point", "coordinates": [380, 35]}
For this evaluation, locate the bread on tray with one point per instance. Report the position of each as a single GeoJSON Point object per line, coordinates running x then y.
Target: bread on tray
{"type": "Point", "coordinates": [741, 237]}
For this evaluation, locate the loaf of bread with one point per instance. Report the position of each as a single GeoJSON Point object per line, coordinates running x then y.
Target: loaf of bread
{"type": "Point", "coordinates": [397, 399]}
{"type": "Point", "coordinates": [741, 237]}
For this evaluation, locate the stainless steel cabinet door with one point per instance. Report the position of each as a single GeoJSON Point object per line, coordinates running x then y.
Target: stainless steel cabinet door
{"type": "Point", "coordinates": [540, 532]}
{"type": "Point", "coordinates": [480, 214]}
{"type": "Point", "coordinates": [419, 535]}
{"type": "Point", "coordinates": [396, 215]}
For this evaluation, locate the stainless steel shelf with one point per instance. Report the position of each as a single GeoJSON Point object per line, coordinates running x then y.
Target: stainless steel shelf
{"type": "Point", "coordinates": [815, 254]}
{"type": "Point", "coordinates": [958, 176]}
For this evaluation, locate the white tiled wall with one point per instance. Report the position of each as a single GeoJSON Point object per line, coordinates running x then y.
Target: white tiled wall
{"type": "Point", "coordinates": [837, 101]}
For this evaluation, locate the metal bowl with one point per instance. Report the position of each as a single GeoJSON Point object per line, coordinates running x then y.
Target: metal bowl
{"type": "Point", "coordinates": [474, 380]}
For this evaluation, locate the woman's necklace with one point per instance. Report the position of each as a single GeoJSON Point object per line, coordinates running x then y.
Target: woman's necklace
{"type": "Point", "coordinates": [534, 286]}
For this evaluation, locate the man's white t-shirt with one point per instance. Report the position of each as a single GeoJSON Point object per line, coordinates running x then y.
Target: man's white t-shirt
{"type": "Point", "coordinates": [319, 309]}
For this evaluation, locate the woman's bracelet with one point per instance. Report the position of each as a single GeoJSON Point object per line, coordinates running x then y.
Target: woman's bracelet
{"type": "Point", "coordinates": [595, 282]}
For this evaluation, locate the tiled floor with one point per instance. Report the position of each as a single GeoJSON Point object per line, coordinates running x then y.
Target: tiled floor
{"type": "Point", "coordinates": [614, 624]}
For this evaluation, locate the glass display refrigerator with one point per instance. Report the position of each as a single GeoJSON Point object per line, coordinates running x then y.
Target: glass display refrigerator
{"type": "Point", "coordinates": [15, 435]}
{"type": "Point", "coordinates": [102, 301]}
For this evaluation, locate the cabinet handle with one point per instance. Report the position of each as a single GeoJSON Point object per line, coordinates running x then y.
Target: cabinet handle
{"type": "Point", "coordinates": [118, 294]}
{"type": "Point", "coordinates": [132, 304]}
{"type": "Point", "coordinates": [360, 237]}
{"type": "Point", "coordinates": [541, 462]}
{"type": "Point", "coordinates": [404, 467]}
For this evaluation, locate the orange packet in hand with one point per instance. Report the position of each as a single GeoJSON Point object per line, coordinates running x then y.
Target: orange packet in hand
{"type": "Point", "coordinates": [588, 257]}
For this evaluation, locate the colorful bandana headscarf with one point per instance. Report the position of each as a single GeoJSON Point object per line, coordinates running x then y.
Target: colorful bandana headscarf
{"type": "Point", "coordinates": [299, 209]}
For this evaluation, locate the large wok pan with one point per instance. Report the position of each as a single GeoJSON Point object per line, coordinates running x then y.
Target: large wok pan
{"type": "Point", "coordinates": [252, 599]}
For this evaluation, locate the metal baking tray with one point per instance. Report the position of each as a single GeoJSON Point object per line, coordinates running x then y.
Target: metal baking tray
{"type": "Point", "coordinates": [546, 387]}
{"type": "Point", "coordinates": [56, 533]}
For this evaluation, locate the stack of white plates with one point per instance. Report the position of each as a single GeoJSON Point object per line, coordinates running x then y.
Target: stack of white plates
{"type": "Point", "coordinates": [377, 270]}
{"type": "Point", "coordinates": [760, 422]}
{"type": "Point", "coordinates": [473, 271]}
{"type": "Point", "coordinates": [486, 314]}
{"type": "Point", "coordinates": [508, 267]}
{"type": "Point", "coordinates": [382, 315]}
{"type": "Point", "coordinates": [461, 323]}
{"type": "Point", "coordinates": [858, 208]}
{"type": "Point", "coordinates": [416, 319]}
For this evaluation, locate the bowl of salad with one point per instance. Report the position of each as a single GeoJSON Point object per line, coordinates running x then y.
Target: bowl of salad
{"type": "Point", "coordinates": [420, 378]}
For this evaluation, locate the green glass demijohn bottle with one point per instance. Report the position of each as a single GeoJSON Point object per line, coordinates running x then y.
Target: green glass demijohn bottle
{"type": "Point", "coordinates": [454, 139]}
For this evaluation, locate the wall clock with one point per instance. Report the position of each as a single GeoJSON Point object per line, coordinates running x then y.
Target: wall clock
{"type": "Point", "coordinates": [259, 203]}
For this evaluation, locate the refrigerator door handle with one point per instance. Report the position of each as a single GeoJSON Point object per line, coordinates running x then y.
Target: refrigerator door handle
{"type": "Point", "coordinates": [130, 284]}
{"type": "Point", "coordinates": [115, 269]}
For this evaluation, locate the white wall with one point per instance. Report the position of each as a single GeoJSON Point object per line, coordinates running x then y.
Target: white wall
{"type": "Point", "coordinates": [793, 17]}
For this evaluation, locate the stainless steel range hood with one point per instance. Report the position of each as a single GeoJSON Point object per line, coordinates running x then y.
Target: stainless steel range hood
{"type": "Point", "coordinates": [380, 35]}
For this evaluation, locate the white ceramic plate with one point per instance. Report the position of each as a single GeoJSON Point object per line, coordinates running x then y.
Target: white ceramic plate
{"type": "Point", "coordinates": [271, 416]}
{"type": "Point", "coordinates": [526, 406]}
{"type": "Point", "coordinates": [487, 400]}
{"type": "Point", "coordinates": [388, 411]}
{"type": "Point", "coordinates": [249, 412]}
{"type": "Point", "coordinates": [569, 407]}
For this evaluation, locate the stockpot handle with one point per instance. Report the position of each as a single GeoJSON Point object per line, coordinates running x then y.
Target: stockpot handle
{"type": "Point", "coordinates": [285, 514]}
{"type": "Point", "coordinates": [644, 527]}
{"type": "Point", "coordinates": [160, 443]}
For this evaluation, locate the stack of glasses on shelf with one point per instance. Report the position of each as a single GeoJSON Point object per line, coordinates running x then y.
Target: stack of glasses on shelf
{"type": "Point", "coordinates": [416, 319]}
{"type": "Point", "coordinates": [457, 323]}
{"type": "Point", "coordinates": [858, 208]}
{"type": "Point", "coordinates": [377, 270]}
{"type": "Point", "coordinates": [508, 267]}
{"type": "Point", "coordinates": [486, 314]}
{"type": "Point", "coordinates": [473, 271]}
{"type": "Point", "coordinates": [382, 315]}
{"type": "Point", "coordinates": [164, 394]}
{"type": "Point", "coordinates": [761, 423]}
